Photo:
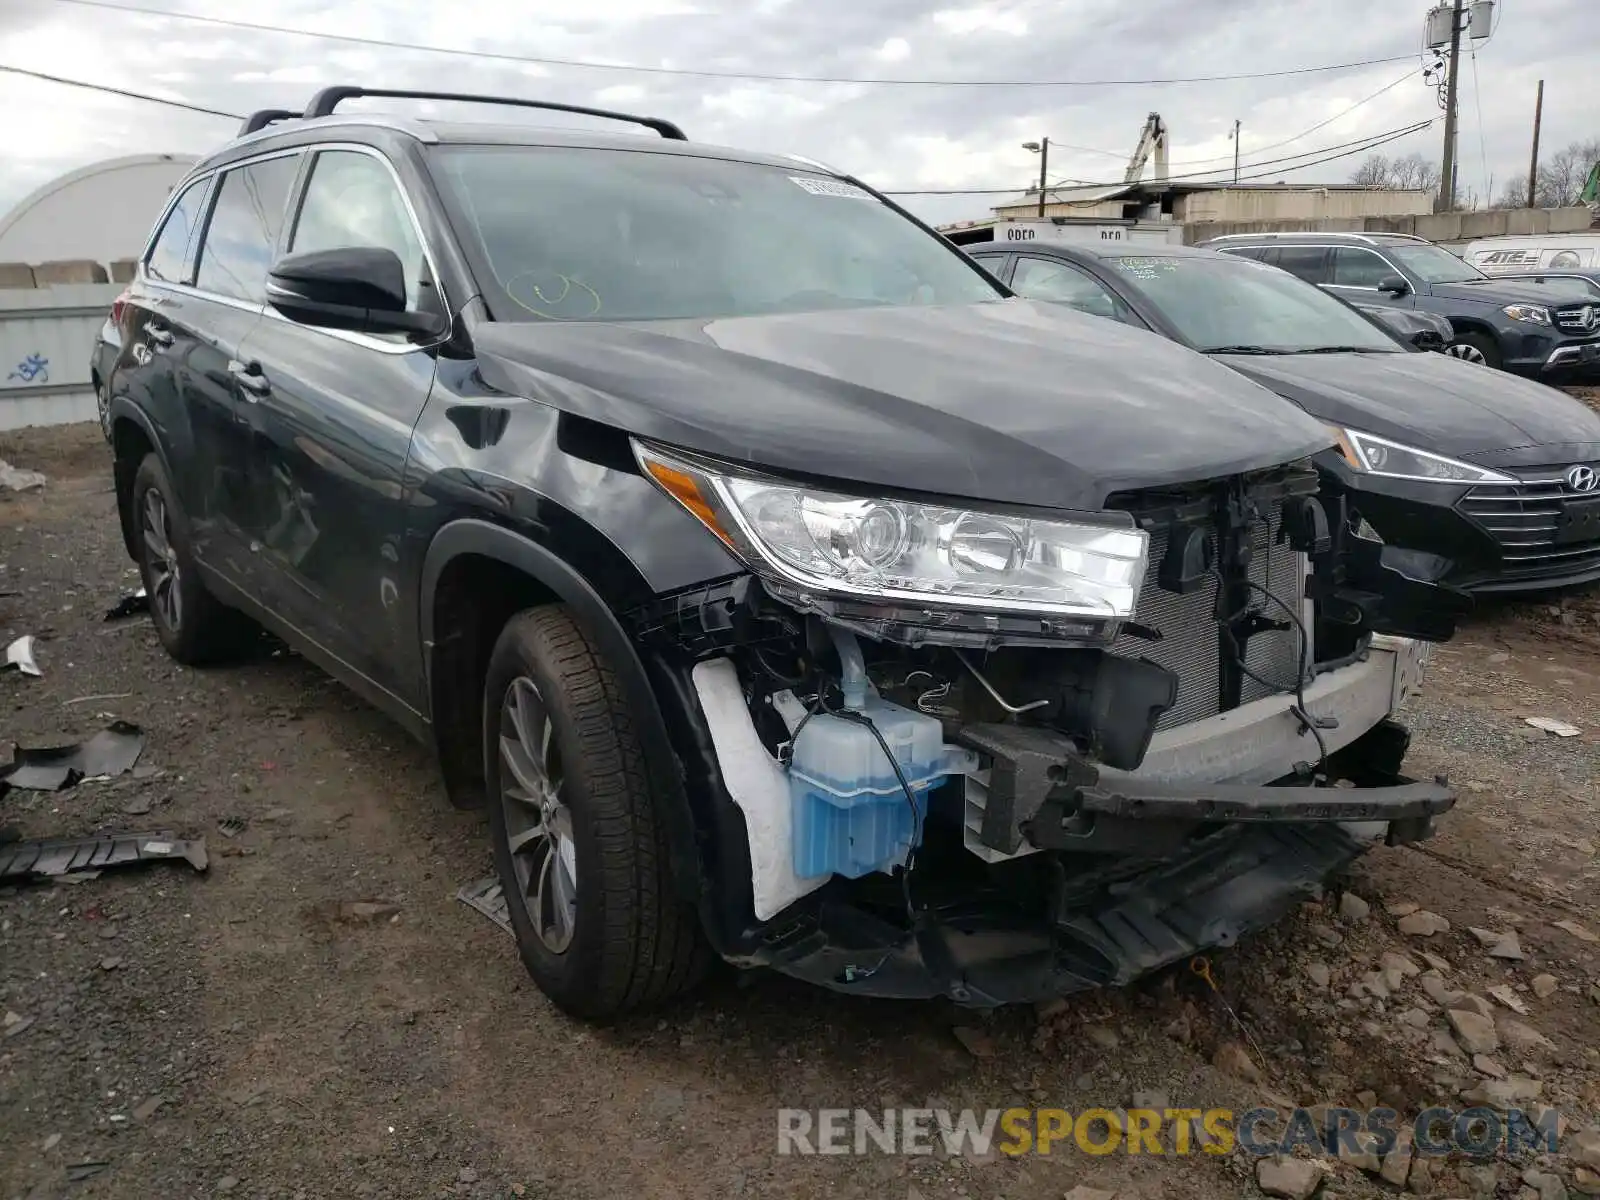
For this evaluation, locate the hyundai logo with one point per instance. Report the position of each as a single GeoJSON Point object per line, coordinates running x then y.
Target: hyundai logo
{"type": "Point", "coordinates": [1583, 479]}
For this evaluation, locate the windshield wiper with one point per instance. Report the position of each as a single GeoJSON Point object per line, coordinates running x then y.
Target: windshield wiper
{"type": "Point", "coordinates": [1342, 350]}
{"type": "Point", "coordinates": [1241, 350]}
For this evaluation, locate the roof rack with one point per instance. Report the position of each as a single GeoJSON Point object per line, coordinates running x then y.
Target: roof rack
{"type": "Point", "coordinates": [1371, 240]}
{"type": "Point", "coordinates": [259, 120]}
{"type": "Point", "coordinates": [329, 98]}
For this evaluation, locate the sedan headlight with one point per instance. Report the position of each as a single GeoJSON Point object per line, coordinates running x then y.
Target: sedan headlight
{"type": "Point", "coordinates": [1374, 455]}
{"type": "Point", "coordinates": [1534, 314]}
{"type": "Point", "coordinates": [910, 553]}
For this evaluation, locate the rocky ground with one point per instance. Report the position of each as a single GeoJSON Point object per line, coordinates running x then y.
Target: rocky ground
{"type": "Point", "coordinates": [317, 1016]}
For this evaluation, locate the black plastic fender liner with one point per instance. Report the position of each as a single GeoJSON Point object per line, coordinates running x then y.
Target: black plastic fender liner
{"type": "Point", "coordinates": [471, 536]}
{"type": "Point", "coordinates": [124, 409]}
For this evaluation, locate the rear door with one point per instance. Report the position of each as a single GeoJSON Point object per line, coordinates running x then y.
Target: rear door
{"type": "Point", "coordinates": [239, 239]}
{"type": "Point", "coordinates": [330, 415]}
{"type": "Point", "coordinates": [1308, 262]}
{"type": "Point", "coordinates": [158, 326]}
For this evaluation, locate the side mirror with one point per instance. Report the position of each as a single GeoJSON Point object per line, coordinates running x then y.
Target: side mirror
{"type": "Point", "coordinates": [1394, 285]}
{"type": "Point", "coordinates": [361, 289]}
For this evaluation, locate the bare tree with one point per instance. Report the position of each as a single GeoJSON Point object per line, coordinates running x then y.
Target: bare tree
{"type": "Point", "coordinates": [1373, 172]}
{"type": "Point", "coordinates": [1408, 171]}
{"type": "Point", "coordinates": [1563, 174]}
{"type": "Point", "coordinates": [1514, 196]}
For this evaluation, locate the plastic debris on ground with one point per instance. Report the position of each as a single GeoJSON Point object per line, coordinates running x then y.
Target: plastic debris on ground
{"type": "Point", "coordinates": [19, 654]}
{"type": "Point", "coordinates": [231, 827]}
{"type": "Point", "coordinates": [130, 605]}
{"type": "Point", "coordinates": [1552, 725]}
{"type": "Point", "coordinates": [17, 479]}
{"type": "Point", "coordinates": [55, 857]}
{"type": "Point", "coordinates": [51, 768]}
{"type": "Point", "coordinates": [487, 897]}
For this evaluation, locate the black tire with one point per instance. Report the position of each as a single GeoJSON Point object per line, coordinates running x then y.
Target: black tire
{"type": "Point", "coordinates": [632, 941]}
{"type": "Point", "coordinates": [194, 626]}
{"type": "Point", "coordinates": [1484, 344]}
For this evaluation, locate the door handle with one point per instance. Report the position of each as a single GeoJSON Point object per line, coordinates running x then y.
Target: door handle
{"type": "Point", "coordinates": [159, 334]}
{"type": "Point", "coordinates": [249, 377]}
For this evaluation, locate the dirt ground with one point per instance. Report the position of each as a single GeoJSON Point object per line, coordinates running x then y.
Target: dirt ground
{"type": "Point", "coordinates": [247, 1032]}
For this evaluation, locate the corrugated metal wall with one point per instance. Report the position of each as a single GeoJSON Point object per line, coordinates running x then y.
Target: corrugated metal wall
{"type": "Point", "coordinates": [47, 337]}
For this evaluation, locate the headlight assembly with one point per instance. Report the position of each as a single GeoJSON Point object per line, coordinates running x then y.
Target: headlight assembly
{"type": "Point", "coordinates": [1372, 455]}
{"type": "Point", "coordinates": [1534, 314]}
{"type": "Point", "coordinates": [910, 553]}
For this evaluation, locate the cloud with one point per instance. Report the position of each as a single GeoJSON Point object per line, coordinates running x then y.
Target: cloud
{"type": "Point", "coordinates": [892, 136]}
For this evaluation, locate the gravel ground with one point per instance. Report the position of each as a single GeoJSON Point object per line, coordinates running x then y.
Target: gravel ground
{"type": "Point", "coordinates": [316, 1016]}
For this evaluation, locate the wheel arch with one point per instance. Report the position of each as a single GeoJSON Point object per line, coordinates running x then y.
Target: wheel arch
{"type": "Point", "coordinates": [133, 435]}
{"type": "Point", "coordinates": [480, 550]}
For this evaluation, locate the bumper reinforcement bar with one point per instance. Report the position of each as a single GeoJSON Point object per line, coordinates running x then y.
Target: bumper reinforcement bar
{"type": "Point", "coordinates": [1232, 802]}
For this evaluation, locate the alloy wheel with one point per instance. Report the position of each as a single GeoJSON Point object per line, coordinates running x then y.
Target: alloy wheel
{"type": "Point", "coordinates": [102, 403]}
{"type": "Point", "coordinates": [537, 820]}
{"type": "Point", "coordinates": [164, 571]}
{"type": "Point", "coordinates": [1466, 353]}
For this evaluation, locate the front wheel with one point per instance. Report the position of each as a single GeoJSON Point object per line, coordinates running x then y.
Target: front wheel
{"type": "Point", "coordinates": [1477, 348]}
{"type": "Point", "coordinates": [579, 845]}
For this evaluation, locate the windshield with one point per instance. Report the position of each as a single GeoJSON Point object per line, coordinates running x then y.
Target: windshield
{"type": "Point", "coordinates": [1431, 264]}
{"type": "Point", "coordinates": [1231, 303]}
{"type": "Point", "coordinates": [575, 234]}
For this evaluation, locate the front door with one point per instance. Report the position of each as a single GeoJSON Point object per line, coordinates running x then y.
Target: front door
{"type": "Point", "coordinates": [330, 417]}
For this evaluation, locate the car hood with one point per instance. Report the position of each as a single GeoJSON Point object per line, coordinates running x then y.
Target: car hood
{"type": "Point", "coordinates": [1501, 292]}
{"type": "Point", "coordinates": [1434, 402]}
{"type": "Point", "coordinates": [1010, 402]}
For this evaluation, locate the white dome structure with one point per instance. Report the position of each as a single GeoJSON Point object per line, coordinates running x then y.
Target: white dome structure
{"type": "Point", "coordinates": [101, 213]}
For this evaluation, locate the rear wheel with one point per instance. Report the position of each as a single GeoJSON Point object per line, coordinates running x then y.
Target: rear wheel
{"type": "Point", "coordinates": [102, 404]}
{"type": "Point", "coordinates": [578, 843]}
{"type": "Point", "coordinates": [192, 624]}
{"type": "Point", "coordinates": [1477, 348]}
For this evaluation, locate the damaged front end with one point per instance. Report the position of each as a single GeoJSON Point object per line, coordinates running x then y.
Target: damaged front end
{"type": "Point", "coordinates": [1001, 757]}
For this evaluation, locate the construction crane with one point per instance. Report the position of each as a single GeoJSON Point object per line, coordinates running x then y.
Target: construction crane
{"type": "Point", "coordinates": [1152, 137]}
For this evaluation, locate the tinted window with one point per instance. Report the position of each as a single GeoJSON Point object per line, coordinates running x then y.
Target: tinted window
{"type": "Point", "coordinates": [1257, 252]}
{"type": "Point", "coordinates": [583, 234]}
{"type": "Point", "coordinates": [1308, 262]}
{"type": "Point", "coordinates": [242, 235]}
{"type": "Point", "coordinates": [1048, 279]}
{"type": "Point", "coordinates": [170, 253]}
{"type": "Point", "coordinates": [352, 199]}
{"type": "Point", "coordinates": [1355, 267]}
{"type": "Point", "coordinates": [1224, 302]}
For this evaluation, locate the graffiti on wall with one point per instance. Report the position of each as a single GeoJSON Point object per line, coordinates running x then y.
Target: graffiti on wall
{"type": "Point", "coordinates": [35, 368]}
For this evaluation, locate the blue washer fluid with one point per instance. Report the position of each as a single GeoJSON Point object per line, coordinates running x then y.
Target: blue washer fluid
{"type": "Point", "coordinates": [850, 812]}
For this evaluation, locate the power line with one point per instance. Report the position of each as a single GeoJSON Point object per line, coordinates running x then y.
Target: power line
{"type": "Point", "coordinates": [1304, 133]}
{"type": "Point", "coordinates": [124, 93]}
{"type": "Point", "coordinates": [766, 77]}
{"type": "Point", "coordinates": [1368, 144]}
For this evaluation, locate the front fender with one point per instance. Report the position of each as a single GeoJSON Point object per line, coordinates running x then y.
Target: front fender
{"type": "Point", "coordinates": [472, 536]}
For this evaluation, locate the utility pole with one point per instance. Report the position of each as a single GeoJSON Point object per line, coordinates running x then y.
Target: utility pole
{"type": "Point", "coordinates": [1236, 152]}
{"type": "Point", "coordinates": [1533, 164]}
{"type": "Point", "coordinates": [1447, 176]}
{"type": "Point", "coordinates": [1042, 149]}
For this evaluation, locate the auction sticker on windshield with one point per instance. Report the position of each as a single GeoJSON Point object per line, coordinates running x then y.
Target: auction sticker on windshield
{"type": "Point", "coordinates": [830, 187]}
{"type": "Point", "coordinates": [1145, 268]}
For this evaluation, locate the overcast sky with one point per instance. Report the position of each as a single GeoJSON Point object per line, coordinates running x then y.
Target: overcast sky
{"type": "Point", "coordinates": [896, 137]}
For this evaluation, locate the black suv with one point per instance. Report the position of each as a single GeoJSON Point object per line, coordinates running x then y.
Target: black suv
{"type": "Point", "coordinates": [1529, 328]}
{"type": "Point", "coordinates": [786, 588]}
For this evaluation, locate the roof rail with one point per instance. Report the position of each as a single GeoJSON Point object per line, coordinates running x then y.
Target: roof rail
{"type": "Point", "coordinates": [1369, 239]}
{"type": "Point", "coordinates": [329, 98]}
{"type": "Point", "coordinates": [260, 119]}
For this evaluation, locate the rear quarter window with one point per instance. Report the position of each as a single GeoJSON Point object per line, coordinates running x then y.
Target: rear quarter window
{"type": "Point", "coordinates": [169, 256]}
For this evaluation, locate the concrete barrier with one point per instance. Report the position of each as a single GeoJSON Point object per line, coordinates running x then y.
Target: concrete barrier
{"type": "Point", "coordinates": [16, 275]}
{"type": "Point", "coordinates": [49, 274]}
